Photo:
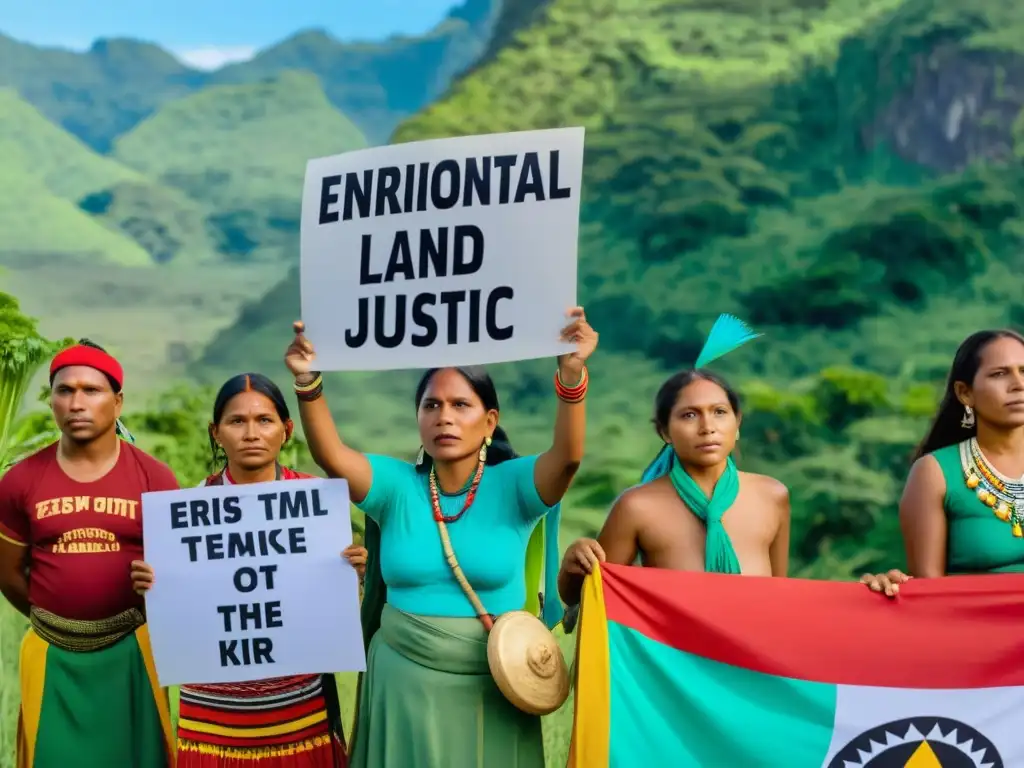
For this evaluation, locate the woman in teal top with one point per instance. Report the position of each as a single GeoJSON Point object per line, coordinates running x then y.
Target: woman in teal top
{"type": "Point", "coordinates": [427, 698]}
{"type": "Point", "coordinates": [962, 510]}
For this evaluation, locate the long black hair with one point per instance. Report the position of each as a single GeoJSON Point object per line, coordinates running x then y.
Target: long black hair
{"type": "Point", "coordinates": [236, 385]}
{"type": "Point", "coordinates": [481, 383]}
{"type": "Point", "coordinates": [946, 428]}
{"type": "Point", "coordinates": [665, 401]}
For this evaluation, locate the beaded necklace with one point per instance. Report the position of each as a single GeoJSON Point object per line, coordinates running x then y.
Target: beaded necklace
{"type": "Point", "coordinates": [1004, 496]}
{"type": "Point", "coordinates": [435, 494]}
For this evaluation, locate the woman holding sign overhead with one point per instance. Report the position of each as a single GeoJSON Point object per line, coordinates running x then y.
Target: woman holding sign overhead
{"type": "Point", "coordinates": [442, 687]}
{"type": "Point", "coordinates": [284, 721]}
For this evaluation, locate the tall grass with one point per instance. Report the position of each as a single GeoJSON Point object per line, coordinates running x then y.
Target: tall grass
{"type": "Point", "coordinates": [22, 351]}
{"type": "Point", "coordinates": [12, 629]}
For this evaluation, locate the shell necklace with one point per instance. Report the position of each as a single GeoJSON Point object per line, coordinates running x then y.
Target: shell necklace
{"type": "Point", "coordinates": [1004, 496]}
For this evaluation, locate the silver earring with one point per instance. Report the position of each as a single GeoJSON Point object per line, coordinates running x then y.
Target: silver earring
{"type": "Point", "coordinates": [968, 420]}
{"type": "Point", "coordinates": [419, 457]}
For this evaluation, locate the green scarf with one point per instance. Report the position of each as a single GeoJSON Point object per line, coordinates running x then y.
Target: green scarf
{"type": "Point", "coordinates": [726, 334]}
{"type": "Point", "coordinates": [719, 555]}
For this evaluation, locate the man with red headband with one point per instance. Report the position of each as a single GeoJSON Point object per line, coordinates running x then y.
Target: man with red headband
{"type": "Point", "coordinates": [70, 526]}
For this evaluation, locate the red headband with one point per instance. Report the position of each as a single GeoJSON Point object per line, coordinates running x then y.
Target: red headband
{"type": "Point", "coordinates": [91, 358]}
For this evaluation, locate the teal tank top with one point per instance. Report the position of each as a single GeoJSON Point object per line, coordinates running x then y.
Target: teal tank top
{"type": "Point", "coordinates": [977, 541]}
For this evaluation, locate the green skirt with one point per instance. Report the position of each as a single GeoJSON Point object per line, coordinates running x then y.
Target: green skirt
{"type": "Point", "coordinates": [428, 700]}
{"type": "Point", "coordinates": [95, 709]}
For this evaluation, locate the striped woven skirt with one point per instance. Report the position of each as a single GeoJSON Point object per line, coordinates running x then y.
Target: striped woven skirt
{"type": "Point", "coordinates": [283, 723]}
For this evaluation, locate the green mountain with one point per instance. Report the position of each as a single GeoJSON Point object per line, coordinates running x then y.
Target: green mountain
{"type": "Point", "coordinates": [241, 151]}
{"type": "Point", "coordinates": [810, 132]}
{"type": "Point", "coordinates": [379, 84]}
{"type": "Point", "coordinates": [843, 174]}
{"type": "Point", "coordinates": [207, 177]}
{"type": "Point", "coordinates": [46, 174]}
{"type": "Point", "coordinates": [63, 163]}
{"type": "Point", "coordinates": [101, 93]}
{"type": "Point", "coordinates": [163, 221]}
{"type": "Point", "coordinates": [511, 17]}
{"type": "Point", "coordinates": [104, 92]}
{"type": "Point", "coordinates": [38, 224]}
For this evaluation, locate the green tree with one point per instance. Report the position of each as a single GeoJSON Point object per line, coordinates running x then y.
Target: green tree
{"type": "Point", "coordinates": [22, 351]}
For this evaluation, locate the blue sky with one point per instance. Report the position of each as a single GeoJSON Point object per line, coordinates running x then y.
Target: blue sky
{"type": "Point", "coordinates": [210, 32]}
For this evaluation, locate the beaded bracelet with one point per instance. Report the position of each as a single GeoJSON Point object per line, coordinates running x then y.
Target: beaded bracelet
{"type": "Point", "coordinates": [308, 397]}
{"type": "Point", "coordinates": [311, 391]}
{"type": "Point", "coordinates": [572, 394]}
{"type": "Point", "coordinates": [318, 379]}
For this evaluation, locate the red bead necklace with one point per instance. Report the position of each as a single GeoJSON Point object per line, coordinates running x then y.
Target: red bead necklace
{"type": "Point", "coordinates": [435, 499]}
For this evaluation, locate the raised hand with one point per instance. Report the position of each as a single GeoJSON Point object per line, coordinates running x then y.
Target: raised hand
{"type": "Point", "coordinates": [579, 332]}
{"type": "Point", "coordinates": [300, 356]}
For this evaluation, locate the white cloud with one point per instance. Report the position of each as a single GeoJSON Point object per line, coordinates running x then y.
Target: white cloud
{"type": "Point", "coordinates": [214, 57]}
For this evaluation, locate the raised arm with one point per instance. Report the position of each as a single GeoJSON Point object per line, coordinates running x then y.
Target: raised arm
{"type": "Point", "coordinates": [616, 544]}
{"type": "Point", "coordinates": [556, 467]}
{"type": "Point", "coordinates": [329, 452]}
{"type": "Point", "coordinates": [923, 519]}
{"type": "Point", "coordinates": [14, 540]}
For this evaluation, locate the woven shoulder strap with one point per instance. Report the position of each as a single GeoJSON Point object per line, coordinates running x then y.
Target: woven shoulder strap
{"type": "Point", "coordinates": [486, 618]}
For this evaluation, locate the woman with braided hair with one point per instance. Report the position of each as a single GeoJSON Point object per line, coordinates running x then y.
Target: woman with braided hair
{"type": "Point", "coordinates": [282, 722]}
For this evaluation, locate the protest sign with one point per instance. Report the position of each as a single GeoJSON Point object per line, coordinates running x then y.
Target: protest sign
{"type": "Point", "coordinates": [443, 252]}
{"type": "Point", "coordinates": [250, 582]}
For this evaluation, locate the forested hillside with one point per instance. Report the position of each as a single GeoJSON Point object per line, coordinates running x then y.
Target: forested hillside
{"type": "Point", "coordinates": [212, 177]}
{"type": "Point", "coordinates": [122, 155]}
{"type": "Point", "coordinates": [845, 175]}
{"type": "Point", "coordinates": [241, 151]}
{"type": "Point", "coordinates": [46, 172]}
{"type": "Point", "coordinates": [106, 91]}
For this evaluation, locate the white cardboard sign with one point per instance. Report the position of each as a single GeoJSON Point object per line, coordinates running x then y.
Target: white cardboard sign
{"type": "Point", "coordinates": [250, 582]}
{"type": "Point", "coordinates": [441, 253]}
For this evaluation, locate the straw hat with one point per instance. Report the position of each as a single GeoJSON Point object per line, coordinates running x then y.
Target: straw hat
{"type": "Point", "coordinates": [527, 663]}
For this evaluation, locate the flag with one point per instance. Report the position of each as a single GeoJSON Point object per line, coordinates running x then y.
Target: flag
{"type": "Point", "coordinates": [699, 670]}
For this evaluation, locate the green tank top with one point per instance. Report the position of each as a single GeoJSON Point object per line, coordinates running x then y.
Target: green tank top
{"type": "Point", "coordinates": [977, 541]}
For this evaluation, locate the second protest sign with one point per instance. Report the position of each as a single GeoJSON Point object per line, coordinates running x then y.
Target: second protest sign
{"type": "Point", "coordinates": [242, 579]}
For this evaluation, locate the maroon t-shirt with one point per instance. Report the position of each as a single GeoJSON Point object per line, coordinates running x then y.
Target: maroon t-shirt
{"type": "Point", "coordinates": [82, 536]}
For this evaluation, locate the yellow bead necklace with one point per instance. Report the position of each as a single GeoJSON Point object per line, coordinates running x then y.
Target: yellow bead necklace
{"type": "Point", "coordinates": [1002, 495]}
